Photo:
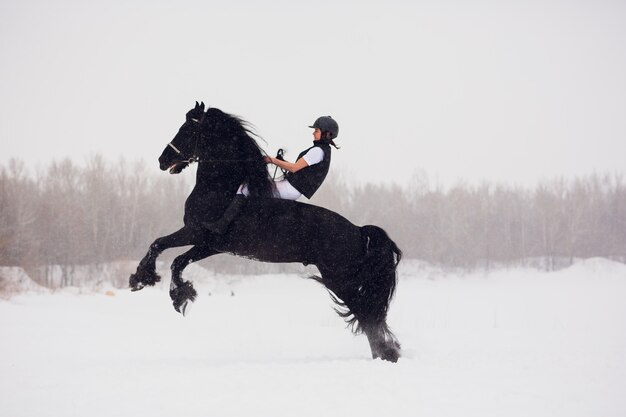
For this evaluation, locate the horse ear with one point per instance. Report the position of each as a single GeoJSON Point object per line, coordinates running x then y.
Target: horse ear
{"type": "Point", "coordinates": [202, 105]}
{"type": "Point", "coordinates": [197, 105]}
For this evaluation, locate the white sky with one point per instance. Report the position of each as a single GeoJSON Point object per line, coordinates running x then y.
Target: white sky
{"type": "Point", "coordinates": [510, 92]}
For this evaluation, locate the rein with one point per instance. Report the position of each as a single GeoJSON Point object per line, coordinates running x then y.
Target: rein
{"type": "Point", "coordinates": [279, 155]}
{"type": "Point", "coordinates": [195, 159]}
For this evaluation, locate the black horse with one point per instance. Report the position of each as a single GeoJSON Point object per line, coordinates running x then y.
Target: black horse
{"type": "Point", "coordinates": [356, 264]}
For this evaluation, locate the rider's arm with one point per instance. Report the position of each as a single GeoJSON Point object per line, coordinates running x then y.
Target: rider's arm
{"type": "Point", "coordinates": [289, 166]}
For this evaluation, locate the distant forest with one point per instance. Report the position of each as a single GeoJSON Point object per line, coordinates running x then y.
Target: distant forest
{"type": "Point", "coordinates": [101, 211]}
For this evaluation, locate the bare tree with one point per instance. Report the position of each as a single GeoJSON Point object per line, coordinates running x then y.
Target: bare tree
{"type": "Point", "coordinates": [73, 215]}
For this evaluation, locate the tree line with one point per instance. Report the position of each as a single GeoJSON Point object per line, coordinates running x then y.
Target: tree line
{"type": "Point", "coordinates": [69, 214]}
{"type": "Point", "coordinates": [468, 226]}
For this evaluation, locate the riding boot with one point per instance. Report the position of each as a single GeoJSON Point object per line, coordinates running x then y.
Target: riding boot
{"type": "Point", "coordinates": [221, 226]}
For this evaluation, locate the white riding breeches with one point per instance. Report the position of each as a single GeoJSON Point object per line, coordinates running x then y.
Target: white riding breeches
{"type": "Point", "coordinates": [281, 189]}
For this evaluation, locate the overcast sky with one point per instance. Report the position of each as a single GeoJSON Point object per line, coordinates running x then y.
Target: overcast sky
{"type": "Point", "coordinates": [503, 91]}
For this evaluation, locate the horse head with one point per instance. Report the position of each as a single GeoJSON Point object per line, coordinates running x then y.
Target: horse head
{"type": "Point", "coordinates": [180, 152]}
{"type": "Point", "coordinates": [218, 141]}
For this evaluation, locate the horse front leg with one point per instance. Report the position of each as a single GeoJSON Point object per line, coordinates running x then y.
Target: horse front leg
{"type": "Point", "coordinates": [146, 274]}
{"type": "Point", "coordinates": [181, 291]}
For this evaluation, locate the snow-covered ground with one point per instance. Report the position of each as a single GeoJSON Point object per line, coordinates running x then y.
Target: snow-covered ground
{"type": "Point", "coordinates": [508, 343]}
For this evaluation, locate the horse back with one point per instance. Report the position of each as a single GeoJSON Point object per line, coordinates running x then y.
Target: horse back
{"type": "Point", "coordinates": [274, 230]}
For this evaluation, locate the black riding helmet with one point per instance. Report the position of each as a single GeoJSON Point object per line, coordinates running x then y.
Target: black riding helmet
{"type": "Point", "coordinates": [327, 124]}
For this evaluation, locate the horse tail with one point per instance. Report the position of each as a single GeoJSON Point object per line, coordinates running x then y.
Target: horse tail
{"type": "Point", "coordinates": [363, 297]}
{"type": "Point", "coordinates": [378, 274]}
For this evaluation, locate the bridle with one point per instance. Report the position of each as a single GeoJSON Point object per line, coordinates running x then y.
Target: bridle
{"type": "Point", "coordinates": [194, 158]}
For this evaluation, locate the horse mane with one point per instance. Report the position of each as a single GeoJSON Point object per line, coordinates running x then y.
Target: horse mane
{"type": "Point", "coordinates": [256, 175]}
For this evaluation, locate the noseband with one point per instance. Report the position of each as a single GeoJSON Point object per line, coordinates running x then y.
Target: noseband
{"type": "Point", "coordinates": [193, 157]}
{"type": "Point", "coordinates": [171, 145]}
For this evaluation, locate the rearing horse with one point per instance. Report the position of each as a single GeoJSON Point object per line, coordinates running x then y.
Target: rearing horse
{"type": "Point", "coordinates": [356, 264]}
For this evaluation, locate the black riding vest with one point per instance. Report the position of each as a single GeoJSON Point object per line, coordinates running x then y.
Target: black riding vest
{"type": "Point", "coordinates": [308, 179]}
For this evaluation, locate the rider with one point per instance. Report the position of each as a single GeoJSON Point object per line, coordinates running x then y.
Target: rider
{"type": "Point", "coordinates": [304, 176]}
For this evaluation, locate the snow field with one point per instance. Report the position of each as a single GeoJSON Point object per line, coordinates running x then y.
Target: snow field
{"type": "Point", "coordinates": [509, 343]}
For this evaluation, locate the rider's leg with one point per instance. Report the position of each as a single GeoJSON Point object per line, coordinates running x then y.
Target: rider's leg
{"type": "Point", "coordinates": [282, 189]}
{"type": "Point", "coordinates": [221, 226]}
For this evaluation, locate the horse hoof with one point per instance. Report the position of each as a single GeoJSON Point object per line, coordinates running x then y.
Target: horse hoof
{"type": "Point", "coordinates": [185, 308]}
{"type": "Point", "coordinates": [390, 354]}
{"type": "Point", "coordinates": [392, 357]}
{"type": "Point", "coordinates": [143, 278]}
{"type": "Point", "coordinates": [181, 296]}
{"type": "Point", "coordinates": [135, 283]}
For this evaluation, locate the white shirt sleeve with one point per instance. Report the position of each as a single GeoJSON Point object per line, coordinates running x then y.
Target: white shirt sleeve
{"type": "Point", "coordinates": [314, 156]}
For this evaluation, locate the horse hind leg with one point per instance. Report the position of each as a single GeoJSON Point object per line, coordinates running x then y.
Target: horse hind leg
{"type": "Point", "coordinates": [182, 292]}
{"type": "Point", "coordinates": [363, 298]}
{"type": "Point", "coordinates": [358, 313]}
{"type": "Point", "coordinates": [355, 307]}
{"type": "Point", "coordinates": [383, 342]}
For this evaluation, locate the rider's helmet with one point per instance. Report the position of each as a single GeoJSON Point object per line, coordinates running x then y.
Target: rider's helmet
{"type": "Point", "coordinates": [327, 124]}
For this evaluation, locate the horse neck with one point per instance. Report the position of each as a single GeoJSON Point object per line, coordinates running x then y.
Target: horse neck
{"type": "Point", "coordinates": [247, 166]}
